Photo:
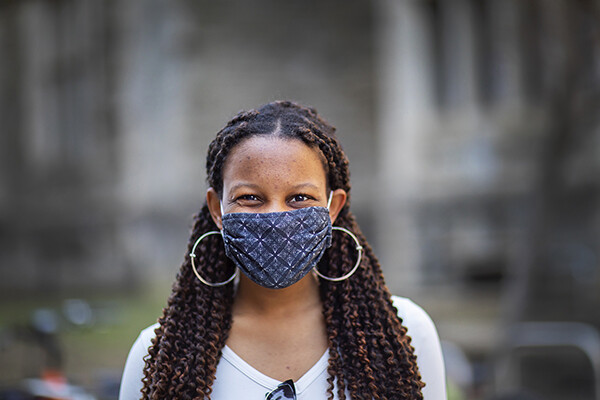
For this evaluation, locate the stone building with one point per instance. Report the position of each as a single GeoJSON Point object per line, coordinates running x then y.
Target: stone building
{"type": "Point", "coordinates": [489, 156]}
{"type": "Point", "coordinates": [108, 109]}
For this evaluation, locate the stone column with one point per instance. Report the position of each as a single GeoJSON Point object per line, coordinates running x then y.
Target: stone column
{"type": "Point", "coordinates": [405, 105]}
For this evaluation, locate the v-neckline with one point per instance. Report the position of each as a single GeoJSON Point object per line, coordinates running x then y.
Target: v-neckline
{"type": "Point", "coordinates": [301, 384]}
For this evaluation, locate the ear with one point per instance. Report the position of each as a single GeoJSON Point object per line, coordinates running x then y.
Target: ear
{"type": "Point", "coordinates": [338, 199]}
{"type": "Point", "coordinates": [214, 206]}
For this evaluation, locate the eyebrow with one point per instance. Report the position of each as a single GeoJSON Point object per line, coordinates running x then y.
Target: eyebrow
{"type": "Point", "coordinates": [243, 184]}
{"type": "Point", "coordinates": [307, 184]}
{"type": "Point", "coordinates": [255, 186]}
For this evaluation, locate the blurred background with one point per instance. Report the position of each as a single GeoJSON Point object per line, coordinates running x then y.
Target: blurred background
{"type": "Point", "coordinates": [472, 129]}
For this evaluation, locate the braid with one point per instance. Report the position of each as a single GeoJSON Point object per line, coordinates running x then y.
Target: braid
{"type": "Point", "coordinates": [363, 326]}
{"type": "Point", "coordinates": [370, 351]}
{"type": "Point", "coordinates": [194, 326]}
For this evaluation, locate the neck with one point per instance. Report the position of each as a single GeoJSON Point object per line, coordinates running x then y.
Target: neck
{"type": "Point", "coordinates": [255, 299]}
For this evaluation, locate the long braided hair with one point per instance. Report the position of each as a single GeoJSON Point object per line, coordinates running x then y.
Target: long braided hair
{"type": "Point", "coordinates": [369, 350]}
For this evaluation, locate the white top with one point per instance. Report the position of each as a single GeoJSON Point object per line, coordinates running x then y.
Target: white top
{"type": "Point", "coordinates": [252, 384]}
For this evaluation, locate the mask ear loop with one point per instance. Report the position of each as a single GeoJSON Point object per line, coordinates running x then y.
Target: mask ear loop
{"type": "Point", "coordinates": [222, 214]}
{"type": "Point", "coordinates": [329, 200]}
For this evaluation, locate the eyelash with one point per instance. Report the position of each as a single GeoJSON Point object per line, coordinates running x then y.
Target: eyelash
{"type": "Point", "coordinates": [247, 197]}
{"type": "Point", "coordinates": [251, 197]}
{"type": "Point", "coordinates": [305, 196]}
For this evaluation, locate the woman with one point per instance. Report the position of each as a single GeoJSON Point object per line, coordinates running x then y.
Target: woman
{"type": "Point", "coordinates": [310, 317]}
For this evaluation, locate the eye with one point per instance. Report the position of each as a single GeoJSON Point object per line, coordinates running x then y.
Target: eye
{"type": "Point", "coordinates": [299, 198]}
{"type": "Point", "coordinates": [247, 199]}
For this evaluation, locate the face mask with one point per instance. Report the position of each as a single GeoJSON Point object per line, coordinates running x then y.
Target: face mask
{"type": "Point", "coordinates": [276, 250]}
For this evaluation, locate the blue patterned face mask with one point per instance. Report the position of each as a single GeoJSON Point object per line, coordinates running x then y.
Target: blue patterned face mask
{"type": "Point", "coordinates": [276, 250]}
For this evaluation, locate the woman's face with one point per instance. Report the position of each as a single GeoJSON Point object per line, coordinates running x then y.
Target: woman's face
{"type": "Point", "coordinates": [270, 174]}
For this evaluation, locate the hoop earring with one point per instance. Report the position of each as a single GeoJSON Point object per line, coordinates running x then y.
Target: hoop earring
{"type": "Point", "coordinates": [359, 248]}
{"type": "Point", "coordinates": [193, 257]}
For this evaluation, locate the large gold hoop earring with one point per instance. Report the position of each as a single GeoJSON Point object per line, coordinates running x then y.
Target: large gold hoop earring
{"type": "Point", "coordinates": [193, 257]}
{"type": "Point", "coordinates": [359, 248]}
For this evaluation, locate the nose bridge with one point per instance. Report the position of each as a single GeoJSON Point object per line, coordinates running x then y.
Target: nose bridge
{"type": "Point", "coordinates": [277, 204]}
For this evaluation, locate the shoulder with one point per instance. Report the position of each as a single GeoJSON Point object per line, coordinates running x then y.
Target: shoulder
{"type": "Point", "coordinates": [413, 316]}
{"type": "Point", "coordinates": [426, 342]}
{"type": "Point", "coordinates": [146, 336]}
{"type": "Point", "coordinates": [131, 382]}
{"type": "Point", "coordinates": [144, 341]}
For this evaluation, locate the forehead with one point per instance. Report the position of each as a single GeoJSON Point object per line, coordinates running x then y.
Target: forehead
{"type": "Point", "coordinates": [277, 158]}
